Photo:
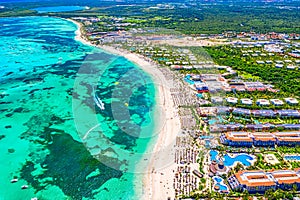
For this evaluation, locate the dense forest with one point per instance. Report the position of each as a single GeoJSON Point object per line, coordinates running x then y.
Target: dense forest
{"type": "Point", "coordinates": [208, 18]}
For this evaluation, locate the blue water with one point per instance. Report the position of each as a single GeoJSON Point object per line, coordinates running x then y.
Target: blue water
{"type": "Point", "coordinates": [295, 157]}
{"type": "Point", "coordinates": [213, 155]}
{"type": "Point", "coordinates": [220, 182]}
{"type": "Point", "coordinates": [199, 95]}
{"type": "Point", "coordinates": [206, 137]}
{"type": "Point", "coordinates": [58, 9]}
{"type": "Point", "coordinates": [53, 137]}
{"type": "Point", "coordinates": [207, 143]}
{"type": "Point", "coordinates": [212, 121]}
{"type": "Point", "coordinates": [188, 80]}
{"type": "Point", "coordinates": [221, 120]}
{"type": "Point", "coordinates": [218, 179]}
{"type": "Point", "coordinates": [230, 161]}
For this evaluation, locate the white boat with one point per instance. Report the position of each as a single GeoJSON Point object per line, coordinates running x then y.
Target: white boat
{"type": "Point", "coordinates": [99, 103]}
{"type": "Point", "coordinates": [34, 198]}
{"type": "Point", "coordinates": [24, 187]}
{"type": "Point", "coordinates": [14, 180]}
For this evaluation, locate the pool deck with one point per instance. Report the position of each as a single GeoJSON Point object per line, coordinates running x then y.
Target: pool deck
{"type": "Point", "coordinates": [271, 158]}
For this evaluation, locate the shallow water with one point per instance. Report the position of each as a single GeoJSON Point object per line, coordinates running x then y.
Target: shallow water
{"type": "Point", "coordinates": [59, 9]}
{"type": "Point", "coordinates": [53, 137]}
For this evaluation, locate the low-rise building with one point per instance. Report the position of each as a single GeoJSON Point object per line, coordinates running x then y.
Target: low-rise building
{"type": "Point", "coordinates": [269, 61]}
{"type": "Point", "coordinates": [260, 62]}
{"type": "Point", "coordinates": [237, 139]}
{"type": "Point", "coordinates": [291, 67]}
{"type": "Point", "coordinates": [288, 113]}
{"type": "Point", "coordinates": [291, 101]}
{"type": "Point", "coordinates": [276, 102]}
{"type": "Point", "coordinates": [201, 87]}
{"type": "Point", "coordinates": [279, 65]}
{"type": "Point", "coordinates": [217, 100]}
{"type": "Point", "coordinates": [263, 102]}
{"type": "Point", "coordinates": [246, 139]}
{"type": "Point", "coordinates": [258, 181]}
{"type": "Point", "coordinates": [232, 100]}
{"type": "Point", "coordinates": [246, 101]}
{"type": "Point", "coordinates": [241, 111]}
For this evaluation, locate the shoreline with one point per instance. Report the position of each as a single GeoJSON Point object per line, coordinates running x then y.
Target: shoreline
{"type": "Point", "coordinates": [159, 175]}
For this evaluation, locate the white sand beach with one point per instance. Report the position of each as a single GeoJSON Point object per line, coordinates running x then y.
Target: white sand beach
{"type": "Point", "coordinates": [158, 179]}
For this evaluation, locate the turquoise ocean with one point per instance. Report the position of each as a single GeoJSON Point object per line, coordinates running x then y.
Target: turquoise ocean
{"type": "Point", "coordinates": [53, 137]}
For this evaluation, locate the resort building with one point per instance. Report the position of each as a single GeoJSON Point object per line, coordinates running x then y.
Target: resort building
{"type": "Point", "coordinates": [176, 67]}
{"type": "Point", "coordinates": [246, 101]}
{"type": "Point", "coordinates": [225, 127]}
{"type": "Point", "coordinates": [217, 100]}
{"type": "Point", "coordinates": [223, 110]}
{"type": "Point", "coordinates": [207, 111]}
{"type": "Point", "coordinates": [263, 139]}
{"type": "Point", "coordinates": [276, 102]}
{"type": "Point", "coordinates": [201, 87]}
{"type": "Point", "coordinates": [288, 113]}
{"type": "Point", "coordinates": [252, 86]}
{"type": "Point", "coordinates": [260, 62]}
{"type": "Point", "coordinates": [196, 77]}
{"type": "Point", "coordinates": [291, 101]}
{"type": "Point", "coordinates": [252, 127]}
{"type": "Point", "coordinates": [259, 181]}
{"type": "Point", "coordinates": [279, 65]}
{"type": "Point", "coordinates": [287, 138]}
{"type": "Point", "coordinates": [241, 111]}
{"type": "Point", "coordinates": [269, 61]}
{"type": "Point", "coordinates": [290, 126]}
{"type": "Point", "coordinates": [237, 139]}
{"type": "Point", "coordinates": [291, 67]}
{"type": "Point", "coordinates": [232, 100]}
{"type": "Point", "coordinates": [263, 102]}
{"type": "Point", "coordinates": [259, 127]}
{"type": "Point", "coordinates": [263, 113]}
{"type": "Point", "coordinates": [247, 139]}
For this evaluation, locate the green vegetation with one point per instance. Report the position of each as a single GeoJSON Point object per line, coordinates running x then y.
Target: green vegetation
{"type": "Point", "coordinates": [17, 12]}
{"type": "Point", "coordinates": [187, 18]}
{"type": "Point", "coordinates": [262, 165]}
{"type": "Point", "coordinates": [287, 150]}
{"type": "Point", "coordinates": [286, 80]}
{"type": "Point", "coordinates": [213, 18]}
{"type": "Point", "coordinates": [278, 194]}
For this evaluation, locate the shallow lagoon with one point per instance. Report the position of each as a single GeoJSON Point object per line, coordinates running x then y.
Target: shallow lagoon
{"type": "Point", "coordinates": [44, 117]}
{"type": "Point", "coordinates": [58, 9]}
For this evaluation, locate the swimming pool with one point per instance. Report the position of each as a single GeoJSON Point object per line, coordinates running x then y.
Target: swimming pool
{"type": "Point", "coordinates": [59, 9]}
{"type": "Point", "coordinates": [220, 183]}
{"type": "Point", "coordinates": [188, 79]}
{"type": "Point", "coordinates": [199, 95]}
{"type": "Point", "coordinates": [229, 161]}
{"type": "Point", "coordinates": [206, 137]}
{"type": "Point", "coordinates": [243, 158]}
{"type": "Point", "coordinates": [212, 121]}
{"type": "Point", "coordinates": [213, 155]}
{"type": "Point", "coordinates": [292, 157]}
